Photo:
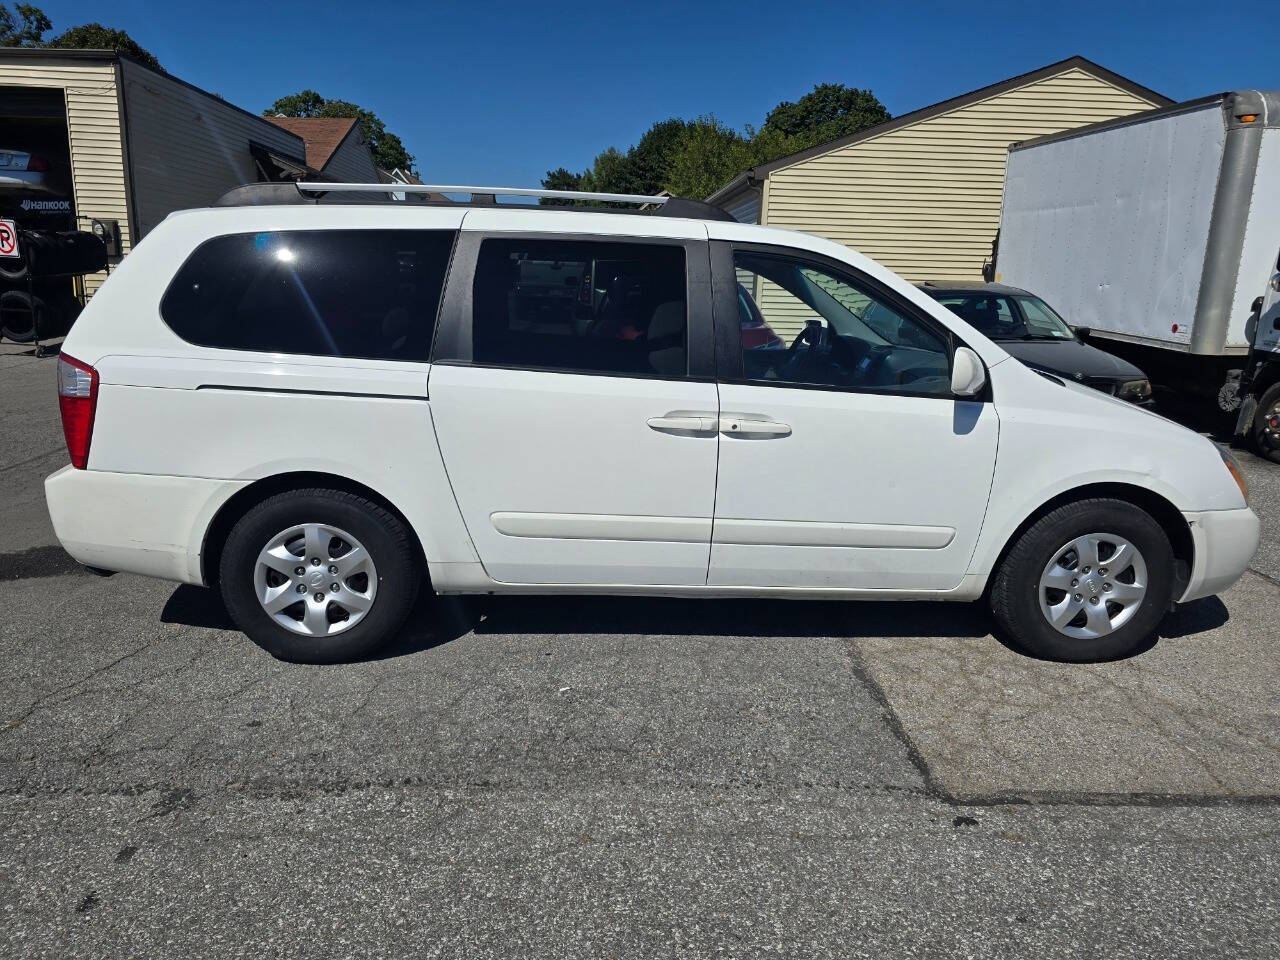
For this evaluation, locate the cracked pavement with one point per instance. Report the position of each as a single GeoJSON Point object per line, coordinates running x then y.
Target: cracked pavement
{"type": "Point", "coordinates": [602, 777]}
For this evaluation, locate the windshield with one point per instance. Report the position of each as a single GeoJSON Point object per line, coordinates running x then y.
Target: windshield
{"type": "Point", "coordinates": [995, 315]}
{"type": "Point", "coordinates": [1042, 322]}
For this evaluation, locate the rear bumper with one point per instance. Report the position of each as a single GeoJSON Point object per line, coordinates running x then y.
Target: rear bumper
{"type": "Point", "coordinates": [135, 523]}
{"type": "Point", "coordinates": [1225, 541]}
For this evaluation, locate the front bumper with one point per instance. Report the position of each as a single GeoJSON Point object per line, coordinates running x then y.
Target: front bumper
{"type": "Point", "coordinates": [1225, 541]}
{"type": "Point", "coordinates": [133, 522]}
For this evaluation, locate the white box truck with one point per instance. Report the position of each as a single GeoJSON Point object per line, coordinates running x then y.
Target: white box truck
{"type": "Point", "coordinates": [1159, 234]}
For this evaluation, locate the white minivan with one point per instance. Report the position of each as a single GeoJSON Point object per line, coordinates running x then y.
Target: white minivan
{"type": "Point", "coordinates": [322, 401]}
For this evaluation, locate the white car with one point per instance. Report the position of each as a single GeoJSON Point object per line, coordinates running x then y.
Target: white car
{"type": "Point", "coordinates": [323, 407]}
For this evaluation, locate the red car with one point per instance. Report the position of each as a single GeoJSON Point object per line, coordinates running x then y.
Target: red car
{"type": "Point", "coordinates": [756, 334]}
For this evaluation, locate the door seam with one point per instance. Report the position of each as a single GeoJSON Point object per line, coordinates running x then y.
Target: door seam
{"type": "Point", "coordinates": [715, 494]}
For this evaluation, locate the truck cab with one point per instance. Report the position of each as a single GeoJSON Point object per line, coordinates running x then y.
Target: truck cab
{"type": "Point", "coordinates": [1259, 420]}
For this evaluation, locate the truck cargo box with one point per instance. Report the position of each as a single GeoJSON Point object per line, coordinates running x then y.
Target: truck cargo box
{"type": "Point", "coordinates": [1154, 229]}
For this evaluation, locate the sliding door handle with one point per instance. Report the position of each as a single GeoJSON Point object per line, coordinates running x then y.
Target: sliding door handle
{"type": "Point", "coordinates": [756, 429]}
{"type": "Point", "coordinates": [682, 424]}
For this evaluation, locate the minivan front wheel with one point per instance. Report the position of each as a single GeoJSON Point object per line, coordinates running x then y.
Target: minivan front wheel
{"type": "Point", "coordinates": [318, 576]}
{"type": "Point", "coordinates": [1088, 581]}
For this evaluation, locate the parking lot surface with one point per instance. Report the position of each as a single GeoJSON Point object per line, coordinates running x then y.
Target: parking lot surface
{"type": "Point", "coordinates": [605, 777]}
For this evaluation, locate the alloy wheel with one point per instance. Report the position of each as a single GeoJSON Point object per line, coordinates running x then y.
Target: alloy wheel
{"type": "Point", "coordinates": [315, 579]}
{"type": "Point", "coordinates": [1093, 586]}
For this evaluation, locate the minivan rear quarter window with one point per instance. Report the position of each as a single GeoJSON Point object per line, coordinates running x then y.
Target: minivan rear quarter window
{"type": "Point", "coordinates": [369, 294]}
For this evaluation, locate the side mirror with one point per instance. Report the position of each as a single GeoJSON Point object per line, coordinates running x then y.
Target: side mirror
{"type": "Point", "coordinates": [967, 374]}
{"type": "Point", "coordinates": [1082, 332]}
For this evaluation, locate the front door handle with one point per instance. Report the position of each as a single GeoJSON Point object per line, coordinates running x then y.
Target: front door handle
{"type": "Point", "coordinates": [680, 423]}
{"type": "Point", "coordinates": [758, 429]}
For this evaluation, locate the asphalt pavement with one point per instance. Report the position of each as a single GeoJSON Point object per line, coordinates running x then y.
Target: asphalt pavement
{"type": "Point", "coordinates": [596, 777]}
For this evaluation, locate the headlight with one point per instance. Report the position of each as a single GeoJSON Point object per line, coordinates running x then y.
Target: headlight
{"type": "Point", "coordinates": [1134, 390]}
{"type": "Point", "coordinates": [1237, 474]}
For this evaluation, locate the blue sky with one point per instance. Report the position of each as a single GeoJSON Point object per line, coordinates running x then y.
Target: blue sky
{"type": "Point", "coordinates": [497, 93]}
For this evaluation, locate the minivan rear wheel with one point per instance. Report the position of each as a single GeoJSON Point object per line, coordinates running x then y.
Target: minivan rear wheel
{"type": "Point", "coordinates": [319, 576]}
{"type": "Point", "coordinates": [1088, 581]}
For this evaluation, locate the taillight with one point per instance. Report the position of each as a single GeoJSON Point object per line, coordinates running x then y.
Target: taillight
{"type": "Point", "coordinates": [77, 400]}
{"type": "Point", "coordinates": [35, 162]}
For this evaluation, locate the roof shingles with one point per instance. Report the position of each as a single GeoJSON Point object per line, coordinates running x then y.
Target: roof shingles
{"type": "Point", "coordinates": [321, 135]}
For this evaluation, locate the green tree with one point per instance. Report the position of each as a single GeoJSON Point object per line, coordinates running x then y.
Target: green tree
{"type": "Point", "coordinates": [31, 24]}
{"type": "Point", "coordinates": [94, 36]}
{"type": "Point", "coordinates": [560, 179]}
{"type": "Point", "coordinates": [708, 155]}
{"type": "Point", "coordinates": [642, 169]}
{"type": "Point", "coordinates": [694, 158]}
{"type": "Point", "coordinates": [608, 172]}
{"type": "Point", "coordinates": [391, 153]}
{"type": "Point", "coordinates": [27, 30]}
{"type": "Point", "coordinates": [646, 164]}
{"type": "Point", "coordinates": [306, 103]}
{"type": "Point", "coordinates": [388, 149]}
{"type": "Point", "coordinates": [828, 111]}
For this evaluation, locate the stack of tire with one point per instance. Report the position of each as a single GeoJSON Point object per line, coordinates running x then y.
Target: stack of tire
{"type": "Point", "coordinates": [35, 296]}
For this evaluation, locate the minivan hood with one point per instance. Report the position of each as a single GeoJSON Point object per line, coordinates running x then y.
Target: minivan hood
{"type": "Point", "coordinates": [1071, 359]}
{"type": "Point", "coordinates": [1105, 406]}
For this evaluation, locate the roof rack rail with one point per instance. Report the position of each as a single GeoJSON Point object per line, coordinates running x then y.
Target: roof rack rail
{"type": "Point", "coordinates": [321, 187]}
{"type": "Point", "coordinates": [315, 191]}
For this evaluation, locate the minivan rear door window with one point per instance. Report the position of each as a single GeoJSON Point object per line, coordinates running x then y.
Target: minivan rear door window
{"type": "Point", "coordinates": [582, 307]}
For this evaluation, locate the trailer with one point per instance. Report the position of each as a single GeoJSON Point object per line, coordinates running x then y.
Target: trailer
{"type": "Point", "coordinates": [1158, 233]}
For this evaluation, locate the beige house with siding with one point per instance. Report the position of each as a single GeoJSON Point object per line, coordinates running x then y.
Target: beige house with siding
{"type": "Point", "coordinates": [921, 193]}
{"type": "Point", "coordinates": [88, 91]}
{"type": "Point", "coordinates": [128, 145]}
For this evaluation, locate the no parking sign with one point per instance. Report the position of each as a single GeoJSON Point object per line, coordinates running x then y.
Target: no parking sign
{"type": "Point", "coordinates": [8, 239]}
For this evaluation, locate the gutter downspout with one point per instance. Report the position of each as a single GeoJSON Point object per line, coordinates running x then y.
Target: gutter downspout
{"type": "Point", "coordinates": [763, 187]}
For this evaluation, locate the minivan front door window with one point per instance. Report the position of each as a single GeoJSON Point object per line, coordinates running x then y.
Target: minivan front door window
{"type": "Point", "coordinates": [835, 332]}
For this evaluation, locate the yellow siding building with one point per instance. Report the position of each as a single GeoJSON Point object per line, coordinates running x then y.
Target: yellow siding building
{"type": "Point", "coordinates": [921, 193]}
{"type": "Point", "coordinates": [93, 129]}
{"type": "Point", "coordinates": [140, 143]}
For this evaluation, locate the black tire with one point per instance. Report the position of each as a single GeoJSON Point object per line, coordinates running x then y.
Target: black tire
{"type": "Point", "coordinates": [19, 314]}
{"type": "Point", "coordinates": [1015, 600]}
{"type": "Point", "coordinates": [1266, 439]}
{"type": "Point", "coordinates": [45, 253]}
{"type": "Point", "coordinates": [16, 268]}
{"type": "Point", "coordinates": [383, 535]}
